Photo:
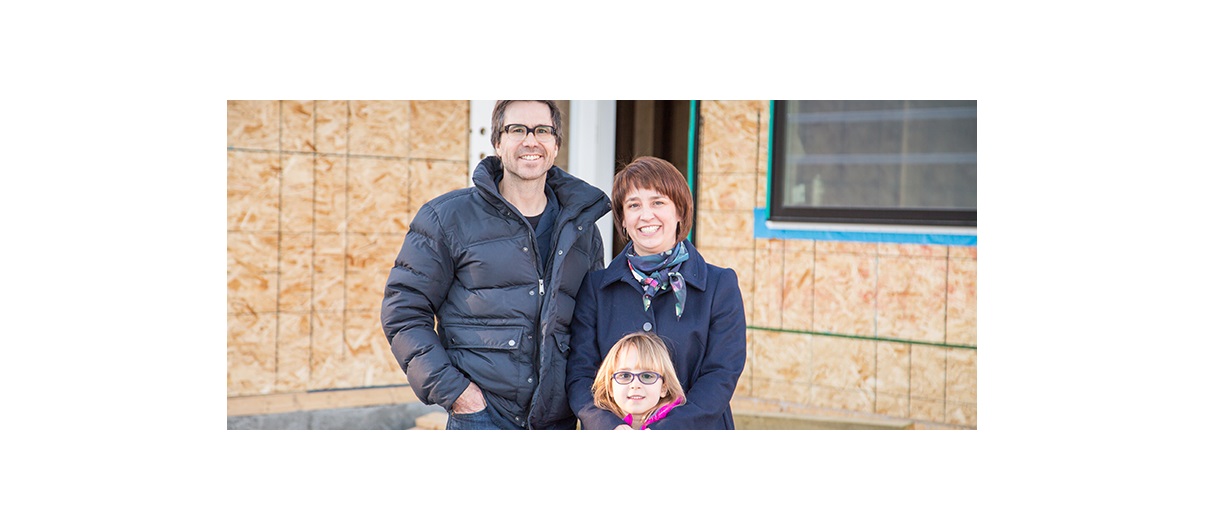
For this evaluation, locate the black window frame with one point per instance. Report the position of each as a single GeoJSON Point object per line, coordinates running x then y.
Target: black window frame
{"type": "Point", "coordinates": [948, 217]}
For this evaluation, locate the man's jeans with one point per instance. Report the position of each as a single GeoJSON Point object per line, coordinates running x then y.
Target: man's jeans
{"type": "Point", "coordinates": [474, 421]}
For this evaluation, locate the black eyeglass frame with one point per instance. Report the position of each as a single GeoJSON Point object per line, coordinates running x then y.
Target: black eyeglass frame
{"type": "Point", "coordinates": [635, 376]}
{"type": "Point", "coordinates": [506, 130]}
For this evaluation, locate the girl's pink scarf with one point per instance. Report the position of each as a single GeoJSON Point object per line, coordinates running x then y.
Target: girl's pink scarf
{"type": "Point", "coordinates": [656, 416]}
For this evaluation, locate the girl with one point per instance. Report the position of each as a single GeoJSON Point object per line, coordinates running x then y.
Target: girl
{"type": "Point", "coordinates": [637, 379]}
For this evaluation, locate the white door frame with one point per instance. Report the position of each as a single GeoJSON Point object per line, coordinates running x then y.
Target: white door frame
{"type": "Point", "coordinates": [592, 152]}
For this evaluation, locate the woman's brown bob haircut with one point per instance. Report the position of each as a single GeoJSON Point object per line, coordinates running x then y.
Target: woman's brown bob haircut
{"type": "Point", "coordinates": [500, 111]}
{"type": "Point", "coordinates": [652, 173]}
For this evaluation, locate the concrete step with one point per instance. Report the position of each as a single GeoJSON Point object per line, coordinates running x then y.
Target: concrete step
{"type": "Point", "coordinates": [767, 421]}
{"type": "Point", "coordinates": [745, 420]}
{"type": "Point", "coordinates": [431, 421]}
{"type": "Point", "coordinates": [762, 414]}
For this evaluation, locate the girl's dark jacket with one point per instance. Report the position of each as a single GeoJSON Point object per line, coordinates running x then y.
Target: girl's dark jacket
{"type": "Point", "coordinates": [707, 345]}
{"type": "Point", "coordinates": [467, 300]}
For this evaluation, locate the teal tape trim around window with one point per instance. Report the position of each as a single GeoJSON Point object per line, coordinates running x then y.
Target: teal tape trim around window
{"type": "Point", "coordinates": [761, 231]}
{"type": "Point", "coordinates": [859, 337]}
{"type": "Point", "coordinates": [693, 139]}
{"type": "Point", "coordinates": [770, 160]}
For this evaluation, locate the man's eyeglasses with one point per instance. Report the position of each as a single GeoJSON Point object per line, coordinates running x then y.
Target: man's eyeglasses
{"type": "Point", "coordinates": [517, 132]}
{"type": "Point", "coordinates": [646, 378]}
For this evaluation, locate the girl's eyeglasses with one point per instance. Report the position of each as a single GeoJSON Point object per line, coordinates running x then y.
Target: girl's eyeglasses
{"type": "Point", "coordinates": [646, 378]}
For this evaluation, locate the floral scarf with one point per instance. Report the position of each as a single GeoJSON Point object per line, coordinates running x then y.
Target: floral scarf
{"type": "Point", "coordinates": [658, 271]}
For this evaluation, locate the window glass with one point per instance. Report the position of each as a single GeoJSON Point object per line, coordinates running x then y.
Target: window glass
{"type": "Point", "coordinates": [875, 161]}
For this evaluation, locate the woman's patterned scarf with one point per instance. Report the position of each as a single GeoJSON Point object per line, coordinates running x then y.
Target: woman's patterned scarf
{"type": "Point", "coordinates": [658, 271]}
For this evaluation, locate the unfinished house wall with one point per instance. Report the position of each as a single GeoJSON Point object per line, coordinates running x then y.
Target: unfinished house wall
{"type": "Point", "coordinates": [842, 328]}
{"type": "Point", "coordinates": [319, 198]}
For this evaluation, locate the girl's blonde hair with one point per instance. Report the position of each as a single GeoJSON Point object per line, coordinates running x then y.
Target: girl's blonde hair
{"type": "Point", "coordinates": [651, 354]}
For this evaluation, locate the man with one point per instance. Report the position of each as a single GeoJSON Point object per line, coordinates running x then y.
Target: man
{"type": "Point", "coordinates": [478, 304]}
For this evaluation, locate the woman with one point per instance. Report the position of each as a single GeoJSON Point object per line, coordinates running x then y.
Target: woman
{"type": "Point", "coordinates": [660, 284]}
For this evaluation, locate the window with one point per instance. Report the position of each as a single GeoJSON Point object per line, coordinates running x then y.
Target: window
{"type": "Point", "coordinates": [874, 162]}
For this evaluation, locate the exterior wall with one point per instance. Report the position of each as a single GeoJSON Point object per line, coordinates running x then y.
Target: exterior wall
{"type": "Point", "coordinates": [319, 198]}
{"type": "Point", "coordinates": [845, 328]}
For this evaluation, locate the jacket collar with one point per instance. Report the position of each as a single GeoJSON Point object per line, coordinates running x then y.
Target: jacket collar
{"type": "Point", "coordinates": [574, 195]}
{"type": "Point", "coordinates": [694, 269]}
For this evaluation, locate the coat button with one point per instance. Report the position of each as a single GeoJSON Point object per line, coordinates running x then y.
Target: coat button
{"type": "Point", "coordinates": [532, 292]}
{"type": "Point", "coordinates": [648, 326]}
{"type": "Point", "coordinates": [528, 379]}
{"type": "Point", "coordinates": [559, 252]}
{"type": "Point", "coordinates": [512, 342]}
{"type": "Point", "coordinates": [524, 249]}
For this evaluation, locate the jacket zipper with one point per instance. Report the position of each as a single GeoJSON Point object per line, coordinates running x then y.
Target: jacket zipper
{"type": "Point", "coordinates": [536, 338]}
